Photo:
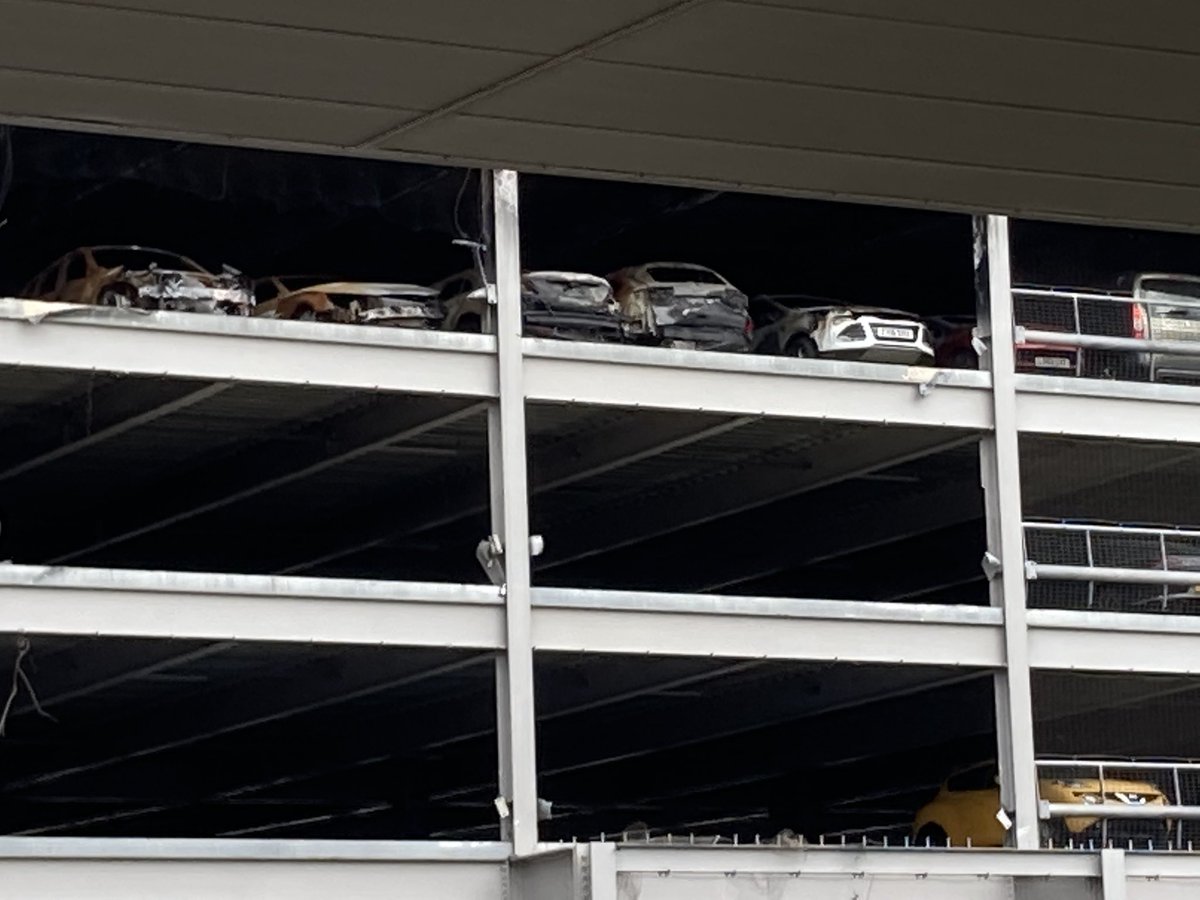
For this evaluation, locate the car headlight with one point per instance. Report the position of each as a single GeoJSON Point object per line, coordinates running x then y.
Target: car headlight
{"type": "Point", "coordinates": [1090, 798]}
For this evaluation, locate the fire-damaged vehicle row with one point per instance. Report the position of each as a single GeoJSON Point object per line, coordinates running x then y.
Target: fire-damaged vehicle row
{"type": "Point", "coordinates": [673, 304]}
{"type": "Point", "coordinates": [140, 278]}
{"type": "Point", "coordinates": [666, 304]}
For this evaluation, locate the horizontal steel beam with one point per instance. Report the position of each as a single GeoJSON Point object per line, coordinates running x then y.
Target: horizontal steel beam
{"type": "Point", "coordinates": [53, 869]}
{"type": "Point", "coordinates": [251, 850]}
{"type": "Point", "coordinates": [765, 627]}
{"type": "Point", "coordinates": [35, 599]}
{"type": "Point", "coordinates": [616, 375]}
{"type": "Point", "coordinates": [1114, 642]}
{"type": "Point", "coordinates": [53, 600]}
{"type": "Point", "coordinates": [233, 348]}
{"type": "Point", "coordinates": [1048, 404]}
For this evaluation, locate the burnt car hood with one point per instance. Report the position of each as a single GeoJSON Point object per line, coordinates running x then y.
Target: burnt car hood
{"type": "Point", "coordinates": [378, 301]}
{"type": "Point", "coordinates": [571, 292]}
{"type": "Point", "coordinates": [569, 305]}
{"type": "Point", "coordinates": [200, 290]}
{"type": "Point", "coordinates": [706, 305]}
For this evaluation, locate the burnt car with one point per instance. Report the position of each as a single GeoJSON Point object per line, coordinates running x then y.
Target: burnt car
{"type": "Point", "coordinates": [323, 299]}
{"type": "Point", "coordinates": [566, 305]}
{"type": "Point", "coordinates": [132, 277]}
{"type": "Point", "coordinates": [954, 348]}
{"type": "Point", "coordinates": [799, 325]}
{"type": "Point", "coordinates": [683, 305]}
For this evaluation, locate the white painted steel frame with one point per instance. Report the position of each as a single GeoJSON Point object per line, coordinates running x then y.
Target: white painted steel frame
{"type": "Point", "coordinates": [511, 370]}
{"type": "Point", "coordinates": [232, 348]}
{"type": "Point", "coordinates": [853, 860]}
{"type": "Point", "coordinates": [120, 868]}
{"type": "Point", "coordinates": [206, 606]}
{"type": "Point", "coordinates": [1000, 461]}
{"type": "Point", "coordinates": [517, 722]}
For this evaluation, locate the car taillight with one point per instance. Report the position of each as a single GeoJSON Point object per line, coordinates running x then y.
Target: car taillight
{"type": "Point", "coordinates": [1139, 321]}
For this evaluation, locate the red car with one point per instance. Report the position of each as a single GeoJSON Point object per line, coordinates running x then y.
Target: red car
{"type": "Point", "coordinates": [953, 348]}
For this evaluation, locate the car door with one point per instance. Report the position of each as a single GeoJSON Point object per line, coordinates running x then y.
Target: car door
{"type": "Point", "coordinates": [74, 284]}
{"type": "Point", "coordinates": [975, 797]}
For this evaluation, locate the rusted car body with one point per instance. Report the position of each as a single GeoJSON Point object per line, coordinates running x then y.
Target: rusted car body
{"type": "Point", "coordinates": [322, 299]}
{"type": "Point", "coordinates": [798, 325]}
{"type": "Point", "coordinates": [683, 305]}
{"type": "Point", "coordinates": [132, 277]}
{"type": "Point", "coordinates": [565, 305]}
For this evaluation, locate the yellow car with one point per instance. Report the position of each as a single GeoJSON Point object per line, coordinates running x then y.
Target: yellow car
{"type": "Point", "coordinates": [965, 807]}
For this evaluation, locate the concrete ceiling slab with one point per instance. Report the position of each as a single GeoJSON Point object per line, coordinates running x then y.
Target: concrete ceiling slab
{"type": "Point", "coordinates": [1073, 110]}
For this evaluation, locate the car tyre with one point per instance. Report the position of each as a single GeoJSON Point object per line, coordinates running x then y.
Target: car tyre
{"type": "Point", "coordinates": [964, 359]}
{"type": "Point", "coordinates": [802, 345]}
{"type": "Point", "coordinates": [470, 324]}
{"type": "Point", "coordinates": [114, 297]}
{"type": "Point", "coordinates": [932, 835]}
{"type": "Point", "coordinates": [1054, 833]}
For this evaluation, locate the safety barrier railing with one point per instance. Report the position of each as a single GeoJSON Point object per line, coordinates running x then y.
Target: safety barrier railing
{"type": "Point", "coordinates": [1103, 802]}
{"type": "Point", "coordinates": [1120, 567]}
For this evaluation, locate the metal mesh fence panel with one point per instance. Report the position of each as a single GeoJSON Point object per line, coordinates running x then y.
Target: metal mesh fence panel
{"type": "Point", "coordinates": [1125, 303]}
{"type": "Point", "coordinates": [1119, 759]}
{"type": "Point", "coordinates": [1104, 517]}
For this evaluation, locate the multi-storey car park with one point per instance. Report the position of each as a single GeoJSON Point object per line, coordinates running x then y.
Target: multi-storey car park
{"type": "Point", "coordinates": [291, 608]}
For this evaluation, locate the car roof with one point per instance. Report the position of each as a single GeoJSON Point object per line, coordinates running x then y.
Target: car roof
{"type": "Point", "coordinates": [142, 249]}
{"type": "Point", "coordinates": [826, 304]}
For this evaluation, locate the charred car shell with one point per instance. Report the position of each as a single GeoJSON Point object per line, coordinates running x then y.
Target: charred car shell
{"type": "Point", "coordinates": [565, 305]}
{"type": "Point", "coordinates": [350, 302]}
{"type": "Point", "coordinates": [133, 277]}
{"type": "Point", "coordinates": [792, 325]}
{"type": "Point", "coordinates": [683, 305]}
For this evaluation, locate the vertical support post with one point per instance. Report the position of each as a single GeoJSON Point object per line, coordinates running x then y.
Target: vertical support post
{"type": "Point", "coordinates": [516, 722]}
{"type": "Point", "coordinates": [1001, 475]}
{"type": "Point", "coordinates": [1113, 880]}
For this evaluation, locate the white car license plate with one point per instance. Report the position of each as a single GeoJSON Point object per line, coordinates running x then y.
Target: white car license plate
{"type": "Point", "coordinates": [1052, 362]}
{"type": "Point", "coordinates": [899, 334]}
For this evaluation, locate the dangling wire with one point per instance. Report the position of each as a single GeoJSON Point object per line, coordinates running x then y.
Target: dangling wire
{"type": "Point", "coordinates": [6, 168]}
{"type": "Point", "coordinates": [20, 678]}
{"type": "Point", "coordinates": [458, 199]}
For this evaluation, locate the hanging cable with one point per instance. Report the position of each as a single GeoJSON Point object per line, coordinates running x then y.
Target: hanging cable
{"type": "Point", "coordinates": [6, 168]}
{"type": "Point", "coordinates": [20, 678]}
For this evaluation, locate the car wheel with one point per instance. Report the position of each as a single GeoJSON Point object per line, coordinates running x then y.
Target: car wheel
{"type": "Point", "coordinates": [932, 835]}
{"type": "Point", "coordinates": [114, 297]}
{"type": "Point", "coordinates": [470, 324]}
{"type": "Point", "coordinates": [1054, 833]}
{"type": "Point", "coordinates": [803, 346]}
{"type": "Point", "coordinates": [964, 359]}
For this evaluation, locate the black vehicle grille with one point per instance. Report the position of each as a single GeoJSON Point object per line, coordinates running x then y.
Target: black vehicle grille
{"type": "Point", "coordinates": [854, 333]}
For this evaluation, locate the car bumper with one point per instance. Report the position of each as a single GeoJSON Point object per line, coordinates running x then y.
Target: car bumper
{"type": "Point", "coordinates": [576, 326]}
{"type": "Point", "coordinates": [195, 299]}
{"type": "Point", "coordinates": [1046, 359]}
{"type": "Point", "coordinates": [873, 349]}
{"type": "Point", "coordinates": [727, 340]}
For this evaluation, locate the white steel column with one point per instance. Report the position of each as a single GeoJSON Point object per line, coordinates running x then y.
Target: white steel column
{"type": "Point", "coordinates": [1113, 878]}
{"type": "Point", "coordinates": [1001, 475]}
{"type": "Point", "coordinates": [516, 718]}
